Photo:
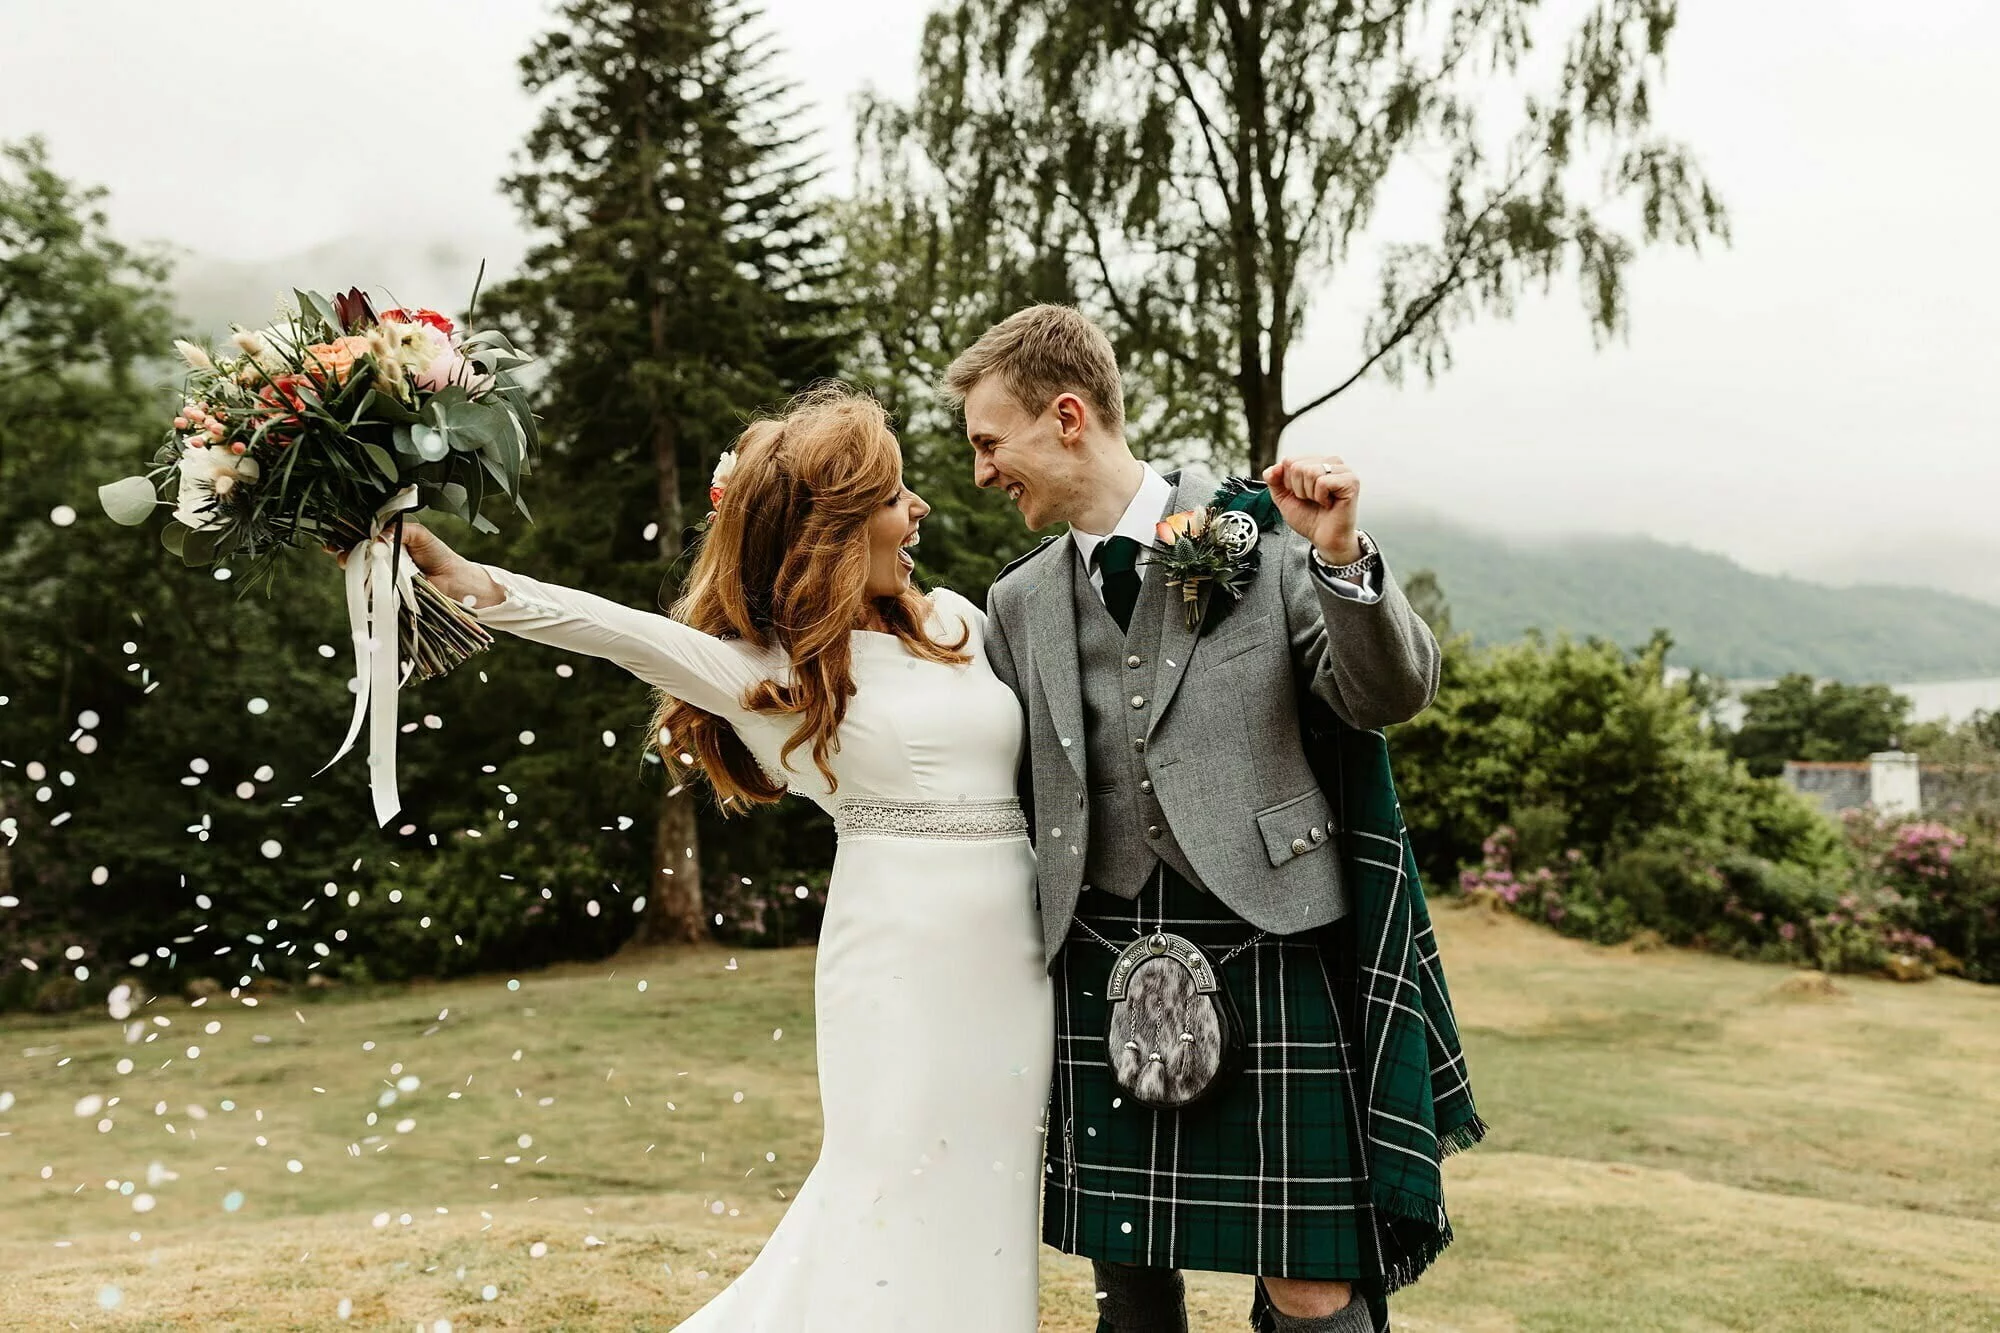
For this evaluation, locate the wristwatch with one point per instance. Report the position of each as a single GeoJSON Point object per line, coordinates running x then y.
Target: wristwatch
{"type": "Point", "coordinates": [1357, 568]}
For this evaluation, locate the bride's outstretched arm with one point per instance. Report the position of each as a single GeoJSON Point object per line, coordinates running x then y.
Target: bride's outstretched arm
{"type": "Point", "coordinates": [710, 673]}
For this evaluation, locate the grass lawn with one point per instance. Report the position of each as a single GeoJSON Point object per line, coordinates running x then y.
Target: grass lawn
{"type": "Point", "coordinates": [1680, 1142]}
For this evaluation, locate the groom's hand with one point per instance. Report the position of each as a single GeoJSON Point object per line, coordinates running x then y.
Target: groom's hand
{"type": "Point", "coordinates": [1319, 498]}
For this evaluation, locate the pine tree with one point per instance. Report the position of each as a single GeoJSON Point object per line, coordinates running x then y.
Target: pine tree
{"type": "Point", "coordinates": [679, 288]}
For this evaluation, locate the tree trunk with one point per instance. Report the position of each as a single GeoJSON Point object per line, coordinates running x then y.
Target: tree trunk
{"type": "Point", "coordinates": [677, 916]}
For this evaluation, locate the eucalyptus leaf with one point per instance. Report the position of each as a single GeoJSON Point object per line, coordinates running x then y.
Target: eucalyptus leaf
{"type": "Point", "coordinates": [379, 406]}
{"type": "Point", "coordinates": [432, 442]}
{"type": "Point", "coordinates": [481, 523]}
{"type": "Point", "coordinates": [129, 501]}
{"type": "Point", "coordinates": [198, 547]}
{"type": "Point", "coordinates": [174, 537]}
{"type": "Point", "coordinates": [452, 499]}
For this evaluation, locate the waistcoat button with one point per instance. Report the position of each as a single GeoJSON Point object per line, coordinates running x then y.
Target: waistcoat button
{"type": "Point", "coordinates": [1153, 831]}
{"type": "Point", "coordinates": [1138, 701]}
{"type": "Point", "coordinates": [1134, 662]}
{"type": "Point", "coordinates": [1139, 744]}
{"type": "Point", "coordinates": [1146, 785]}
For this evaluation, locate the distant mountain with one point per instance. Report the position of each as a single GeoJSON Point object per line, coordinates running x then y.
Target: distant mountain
{"type": "Point", "coordinates": [1724, 619]}
{"type": "Point", "coordinates": [210, 293]}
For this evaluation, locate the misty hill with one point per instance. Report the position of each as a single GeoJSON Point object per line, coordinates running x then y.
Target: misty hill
{"type": "Point", "coordinates": [211, 293]}
{"type": "Point", "coordinates": [1725, 619]}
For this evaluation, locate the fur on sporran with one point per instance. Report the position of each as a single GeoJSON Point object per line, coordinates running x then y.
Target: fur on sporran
{"type": "Point", "coordinates": [1169, 1044]}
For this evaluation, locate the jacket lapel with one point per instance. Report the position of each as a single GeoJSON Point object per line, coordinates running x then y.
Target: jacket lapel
{"type": "Point", "coordinates": [1193, 490]}
{"type": "Point", "coordinates": [1052, 643]}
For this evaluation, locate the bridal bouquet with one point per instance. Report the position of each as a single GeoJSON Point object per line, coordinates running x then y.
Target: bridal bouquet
{"type": "Point", "coordinates": [324, 431]}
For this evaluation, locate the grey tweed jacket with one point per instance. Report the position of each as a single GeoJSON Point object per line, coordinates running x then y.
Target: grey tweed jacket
{"type": "Point", "coordinates": [1222, 739]}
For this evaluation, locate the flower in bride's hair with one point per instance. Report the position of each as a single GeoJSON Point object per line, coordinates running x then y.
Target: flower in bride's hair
{"type": "Point", "coordinates": [725, 467]}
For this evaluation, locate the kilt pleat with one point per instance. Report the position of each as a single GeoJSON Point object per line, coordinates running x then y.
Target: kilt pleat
{"type": "Point", "coordinates": [1268, 1176]}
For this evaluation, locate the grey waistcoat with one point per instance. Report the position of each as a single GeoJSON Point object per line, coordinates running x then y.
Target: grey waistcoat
{"type": "Point", "coordinates": [1129, 833]}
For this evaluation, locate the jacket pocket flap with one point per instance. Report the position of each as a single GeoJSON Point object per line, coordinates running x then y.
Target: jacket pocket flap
{"type": "Point", "coordinates": [1301, 825]}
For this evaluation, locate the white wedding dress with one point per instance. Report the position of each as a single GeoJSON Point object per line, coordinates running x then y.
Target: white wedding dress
{"type": "Point", "coordinates": [935, 1027]}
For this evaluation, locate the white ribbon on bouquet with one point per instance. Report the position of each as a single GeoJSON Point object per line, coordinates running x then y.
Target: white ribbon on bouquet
{"type": "Point", "coordinates": [379, 585]}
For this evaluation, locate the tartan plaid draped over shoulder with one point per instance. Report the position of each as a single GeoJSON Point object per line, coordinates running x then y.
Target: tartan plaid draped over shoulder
{"type": "Point", "coordinates": [1410, 1076]}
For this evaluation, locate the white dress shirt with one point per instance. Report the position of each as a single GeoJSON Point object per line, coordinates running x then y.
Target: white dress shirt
{"type": "Point", "coordinates": [1138, 521]}
{"type": "Point", "coordinates": [1149, 506]}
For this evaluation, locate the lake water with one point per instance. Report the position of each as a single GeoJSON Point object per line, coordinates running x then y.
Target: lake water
{"type": "Point", "coordinates": [1931, 701]}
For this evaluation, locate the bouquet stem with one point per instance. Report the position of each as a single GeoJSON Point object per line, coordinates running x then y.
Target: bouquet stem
{"type": "Point", "coordinates": [439, 634]}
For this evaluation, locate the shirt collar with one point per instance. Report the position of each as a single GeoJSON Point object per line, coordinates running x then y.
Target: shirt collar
{"type": "Point", "coordinates": [1139, 519]}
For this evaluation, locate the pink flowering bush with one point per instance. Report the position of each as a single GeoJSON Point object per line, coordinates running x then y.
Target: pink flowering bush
{"type": "Point", "coordinates": [1919, 891]}
{"type": "Point", "coordinates": [1935, 888]}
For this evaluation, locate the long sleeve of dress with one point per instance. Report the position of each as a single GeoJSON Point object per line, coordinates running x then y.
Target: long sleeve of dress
{"type": "Point", "coordinates": [710, 673]}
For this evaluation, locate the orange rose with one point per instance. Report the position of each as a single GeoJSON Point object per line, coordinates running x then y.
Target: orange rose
{"type": "Point", "coordinates": [335, 360]}
{"type": "Point", "coordinates": [1187, 523]}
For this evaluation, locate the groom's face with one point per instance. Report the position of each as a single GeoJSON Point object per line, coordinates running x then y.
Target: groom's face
{"type": "Point", "coordinates": [1034, 457]}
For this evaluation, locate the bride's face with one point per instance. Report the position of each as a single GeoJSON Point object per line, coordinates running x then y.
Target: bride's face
{"type": "Point", "coordinates": [892, 533]}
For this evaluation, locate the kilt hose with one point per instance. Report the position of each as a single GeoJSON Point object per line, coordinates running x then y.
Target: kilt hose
{"type": "Point", "coordinates": [1267, 1176]}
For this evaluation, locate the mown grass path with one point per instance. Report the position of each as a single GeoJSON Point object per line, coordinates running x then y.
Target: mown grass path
{"type": "Point", "coordinates": [1680, 1142]}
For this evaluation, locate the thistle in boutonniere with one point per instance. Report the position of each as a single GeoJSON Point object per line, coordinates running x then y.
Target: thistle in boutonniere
{"type": "Point", "coordinates": [1214, 548]}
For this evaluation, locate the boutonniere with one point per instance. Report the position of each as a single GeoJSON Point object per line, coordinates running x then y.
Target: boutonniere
{"type": "Point", "coordinates": [1214, 548]}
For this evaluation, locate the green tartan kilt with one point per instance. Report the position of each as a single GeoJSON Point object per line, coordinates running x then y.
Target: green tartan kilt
{"type": "Point", "coordinates": [1268, 1175]}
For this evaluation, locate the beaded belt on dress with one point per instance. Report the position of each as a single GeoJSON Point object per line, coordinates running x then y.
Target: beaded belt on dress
{"type": "Point", "coordinates": [967, 821]}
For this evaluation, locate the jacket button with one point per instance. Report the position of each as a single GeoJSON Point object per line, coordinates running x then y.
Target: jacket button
{"type": "Point", "coordinates": [1300, 846]}
{"type": "Point", "coordinates": [1153, 831]}
{"type": "Point", "coordinates": [1318, 833]}
{"type": "Point", "coordinates": [1138, 701]}
{"type": "Point", "coordinates": [1135, 662]}
{"type": "Point", "coordinates": [1146, 785]}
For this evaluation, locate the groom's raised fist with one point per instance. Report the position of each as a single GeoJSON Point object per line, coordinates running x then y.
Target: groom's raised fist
{"type": "Point", "coordinates": [1319, 498]}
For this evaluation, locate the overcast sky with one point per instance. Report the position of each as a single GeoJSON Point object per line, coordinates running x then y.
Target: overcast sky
{"type": "Point", "coordinates": [1820, 398]}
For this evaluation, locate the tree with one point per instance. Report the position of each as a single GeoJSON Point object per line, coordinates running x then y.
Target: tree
{"type": "Point", "coordinates": [1587, 746]}
{"type": "Point", "coordinates": [1800, 718]}
{"type": "Point", "coordinates": [680, 287]}
{"type": "Point", "coordinates": [1427, 599]}
{"type": "Point", "coordinates": [1195, 170]}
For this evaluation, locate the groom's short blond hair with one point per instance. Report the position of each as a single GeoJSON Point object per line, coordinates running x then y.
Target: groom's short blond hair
{"type": "Point", "coordinates": [1039, 353]}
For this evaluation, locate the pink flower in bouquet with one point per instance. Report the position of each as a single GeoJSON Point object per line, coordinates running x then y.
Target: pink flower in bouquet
{"type": "Point", "coordinates": [449, 367]}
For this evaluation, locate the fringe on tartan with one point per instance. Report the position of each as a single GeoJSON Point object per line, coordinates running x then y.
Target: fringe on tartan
{"type": "Point", "coordinates": [1409, 1265]}
{"type": "Point", "coordinates": [1462, 1137]}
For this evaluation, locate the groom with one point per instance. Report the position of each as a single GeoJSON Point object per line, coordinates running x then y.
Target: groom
{"type": "Point", "coordinates": [1171, 785]}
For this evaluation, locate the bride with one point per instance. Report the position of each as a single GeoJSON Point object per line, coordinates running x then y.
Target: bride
{"type": "Point", "coordinates": [801, 659]}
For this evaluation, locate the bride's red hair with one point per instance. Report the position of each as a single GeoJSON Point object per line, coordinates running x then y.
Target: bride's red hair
{"type": "Point", "coordinates": [785, 565]}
